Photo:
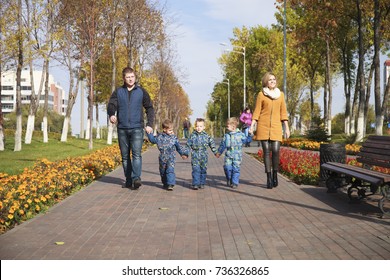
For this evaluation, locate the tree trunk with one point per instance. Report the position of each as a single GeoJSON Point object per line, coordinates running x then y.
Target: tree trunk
{"type": "Point", "coordinates": [65, 129]}
{"type": "Point", "coordinates": [97, 122]}
{"type": "Point", "coordinates": [361, 84]}
{"type": "Point", "coordinates": [18, 131]}
{"type": "Point", "coordinates": [377, 88]}
{"type": "Point", "coordinates": [87, 131]}
{"type": "Point", "coordinates": [347, 90]}
{"type": "Point", "coordinates": [72, 95]}
{"type": "Point", "coordinates": [368, 94]}
{"type": "Point", "coordinates": [326, 115]}
{"type": "Point", "coordinates": [110, 126]}
{"type": "Point", "coordinates": [110, 133]}
{"type": "Point", "coordinates": [329, 84]}
{"type": "Point", "coordinates": [46, 105]}
{"type": "Point", "coordinates": [34, 103]}
{"type": "Point", "coordinates": [90, 103]}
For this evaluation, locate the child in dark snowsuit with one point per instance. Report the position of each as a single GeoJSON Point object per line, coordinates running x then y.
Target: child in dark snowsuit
{"type": "Point", "coordinates": [167, 142]}
{"type": "Point", "coordinates": [198, 142]}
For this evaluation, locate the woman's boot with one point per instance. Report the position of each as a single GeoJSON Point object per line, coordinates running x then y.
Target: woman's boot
{"type": "Point", "coordinates": [275, 178]}
{"type": "Point", "coordinates": [269, 180]}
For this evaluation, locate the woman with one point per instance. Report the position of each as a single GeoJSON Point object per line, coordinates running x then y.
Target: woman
{"type": "Point", "coordinates": [270, 113]}
{"type": "Point", "coordinates": [246, 119]}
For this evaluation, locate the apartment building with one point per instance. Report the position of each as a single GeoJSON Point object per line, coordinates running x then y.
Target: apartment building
{"type": "Point", "coordinates": [57, 98]}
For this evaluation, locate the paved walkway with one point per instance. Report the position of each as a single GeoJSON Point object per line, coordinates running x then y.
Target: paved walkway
{"type": "Point", "coordinates": [106, 221]}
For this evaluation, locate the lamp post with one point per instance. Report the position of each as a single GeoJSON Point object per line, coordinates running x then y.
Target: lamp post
{"type": "Point", "coordinates": [228, 84]}
{"type": "Point", "coordinates": [244, 54]}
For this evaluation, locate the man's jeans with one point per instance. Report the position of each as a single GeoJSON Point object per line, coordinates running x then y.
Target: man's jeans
{"type": "Point", "coordinates": [131, 140]}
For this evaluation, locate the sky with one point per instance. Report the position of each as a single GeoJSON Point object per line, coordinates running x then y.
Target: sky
{"type": "Point", "coordinates": [202, 26]}
{"type": "Point", "coordinates": [199, 27]}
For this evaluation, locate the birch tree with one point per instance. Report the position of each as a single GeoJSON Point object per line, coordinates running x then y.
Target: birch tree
{"type": "Point", "coordinates": [20, 57]}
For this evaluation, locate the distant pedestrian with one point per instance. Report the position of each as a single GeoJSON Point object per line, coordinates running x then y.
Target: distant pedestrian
{"type": "Point", "coordinates": [125, 108]}
{"type": "Point", "coordinates": [232, 141]}
{"type": "Point", "coordinates": [199, 141]}
{"type": "Point", "coordinates": [168, 143]}
{"type": "Point", "coordinates": [186, 127]}
{"type": "Point", "coordinates": [270, 114]}
{"type": "Point", "coordinates": [246, 119]}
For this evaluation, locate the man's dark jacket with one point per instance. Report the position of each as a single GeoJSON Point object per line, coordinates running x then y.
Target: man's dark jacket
{"type": "Point", "coordinates": [128, 107]}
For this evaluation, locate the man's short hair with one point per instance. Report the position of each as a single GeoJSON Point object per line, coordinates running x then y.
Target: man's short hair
{"type": "Point", "coordinates": [127, 70]}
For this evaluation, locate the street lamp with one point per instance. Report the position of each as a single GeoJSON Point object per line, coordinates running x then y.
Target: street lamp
{"type": "Point", "coordinates": [228, 84]}
{"type": "Point", "coordinates": [243, 53]}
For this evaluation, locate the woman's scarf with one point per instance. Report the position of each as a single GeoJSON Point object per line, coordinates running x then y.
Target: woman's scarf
{"type": "Point", "coordinates": [273, 94]}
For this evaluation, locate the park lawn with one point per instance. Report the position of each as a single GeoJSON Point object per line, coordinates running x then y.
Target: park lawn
{"type": "Point", "coordinates": [13, 163]}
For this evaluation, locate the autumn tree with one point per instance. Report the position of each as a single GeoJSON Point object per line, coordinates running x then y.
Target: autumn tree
{"type": "Point", "coordinates": [88, 24]}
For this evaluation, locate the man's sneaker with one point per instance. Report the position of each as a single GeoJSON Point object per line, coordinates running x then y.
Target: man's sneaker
{"type": "Point", "coordinates": [201, 187]}
{"type": "Point", "coordinates": [228, 183]}
{"type": "Point", "coordinates": [195, 187]}
{"type": "Point", "coordinates": [136, 184]}
{"type": "Point", "coordinates": [234, 186]}
{"type": "Point", "coordinates": [127, 185]}
{"type": "Point", "coordinates": [170, 187]}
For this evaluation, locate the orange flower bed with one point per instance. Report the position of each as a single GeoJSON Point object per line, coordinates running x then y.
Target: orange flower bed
{"type": "Point", "coordinates": [36, 189]}
{"type": "Point", "coordinates": [302, 144]}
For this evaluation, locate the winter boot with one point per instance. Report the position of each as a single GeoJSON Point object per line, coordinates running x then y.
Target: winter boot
{"type": "Point", "coordinates": [275, 178]}
{"type": "Point", "coordinates": [269, 180]}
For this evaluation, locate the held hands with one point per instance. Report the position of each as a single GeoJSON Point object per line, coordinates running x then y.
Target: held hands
{"type": "Point", "coordinates": [148, 129]}
{"type": "Point", "coordinates": [217, 155]}
{"type": "Point", "coordinates": [113, 119]}
{"type": "Point", "coordinates": [184, 157]}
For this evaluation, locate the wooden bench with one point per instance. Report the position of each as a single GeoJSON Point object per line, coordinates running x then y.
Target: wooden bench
{"type": "Point", "coordinates": [363, 181]}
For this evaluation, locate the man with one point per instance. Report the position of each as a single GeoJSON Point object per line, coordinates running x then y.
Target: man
{"type": "Point", "coordinates": [186, 127]}
{"type": "Point", "coordinates": [125, 109]}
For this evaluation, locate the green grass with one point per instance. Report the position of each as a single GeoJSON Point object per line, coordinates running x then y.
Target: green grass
{"type": "Point", "coordinates": [14, 162]}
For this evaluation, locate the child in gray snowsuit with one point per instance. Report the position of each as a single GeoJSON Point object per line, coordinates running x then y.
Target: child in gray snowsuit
{"type": "Point", "coordinates": [232, 141]}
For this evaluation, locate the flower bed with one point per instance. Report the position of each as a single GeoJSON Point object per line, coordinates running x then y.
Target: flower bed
{"type": "Point", "coordinates": [302, 144]}
{"type": "Point", "coordinates": [303, 167]}
{"type": "Point", "coordinates": [36, 189]}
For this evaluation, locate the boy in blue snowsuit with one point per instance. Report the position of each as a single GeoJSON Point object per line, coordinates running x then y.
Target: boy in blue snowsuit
{"type": "Point", "coordinates": [198, 142]}
{"type": "Point", "coordinates": [232, 141]}
{"type": "Point", "coordinates": [167, 143]}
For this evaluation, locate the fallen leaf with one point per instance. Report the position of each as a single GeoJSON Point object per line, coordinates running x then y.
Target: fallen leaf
{"type": "Point", "coordinates": [60, 243]}
{"type": "Point", "coordinates": [163, 208]}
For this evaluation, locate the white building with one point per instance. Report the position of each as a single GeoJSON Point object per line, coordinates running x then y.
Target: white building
{"type": "Point", "coordinates": [57, 98]}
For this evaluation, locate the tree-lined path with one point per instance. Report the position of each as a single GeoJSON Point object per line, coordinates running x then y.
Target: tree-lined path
{"type": "Point", "coordinates": [106, 221]}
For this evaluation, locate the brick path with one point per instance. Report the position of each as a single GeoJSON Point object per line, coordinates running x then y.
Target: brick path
{"type": "Point", "coordinates": [106, 221]}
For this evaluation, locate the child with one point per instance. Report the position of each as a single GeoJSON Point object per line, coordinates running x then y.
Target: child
{"type": "Point", "coordinates": [232, 141]}
{"type": "Point", "coordinates": [246, 119]}
{"type": "Point", "coordinates": [168, 143]}
{"type": "Point", "coordinates": [198, 142]}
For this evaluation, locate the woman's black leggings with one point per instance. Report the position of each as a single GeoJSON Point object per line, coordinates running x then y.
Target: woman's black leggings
{"type": "Point", "coordinates": [268, 147]}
